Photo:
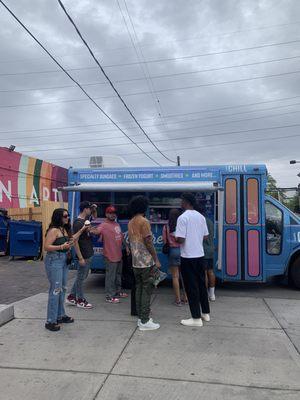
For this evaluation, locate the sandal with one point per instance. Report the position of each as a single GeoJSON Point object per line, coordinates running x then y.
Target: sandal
{"type": "Point", "coordinates": [65, 320]}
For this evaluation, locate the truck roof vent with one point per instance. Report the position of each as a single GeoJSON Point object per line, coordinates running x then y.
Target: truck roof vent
{"type": "Point", "coordinates": [108, 161]}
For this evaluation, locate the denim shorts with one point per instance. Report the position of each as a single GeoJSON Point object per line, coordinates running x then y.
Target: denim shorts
{"type": "Point", "coordinates": [174, 257]}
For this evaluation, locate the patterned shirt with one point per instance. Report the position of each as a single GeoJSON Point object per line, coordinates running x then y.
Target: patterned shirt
{"type": "Point", "coordinates": [138, 230]}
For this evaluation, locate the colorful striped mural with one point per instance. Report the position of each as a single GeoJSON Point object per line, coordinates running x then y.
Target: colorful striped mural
{"type": "Point", "coordinates": [26, 181]}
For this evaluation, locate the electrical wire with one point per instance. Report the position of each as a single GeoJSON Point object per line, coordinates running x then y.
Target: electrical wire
{"type": "Point", "coordinates": [171, 139]}
{"type": "Point", "coordinates": [177, 115]}
{"type": "Point", "coordinates": [150, 76]}
{"type": "Point", "coordinates": [196, 147]}
{"type": "Point", "coordinates": [110, 82]}
{"type": "Point", "coordinates": [168, 59]}
{"type": "Point", "coordinates": [222, 34]}
{"type": "Point", "coordinates": [147, 92]}
{"type": "Point", "coordinates": [144, 67]}
{"type": "Point", "coordinates": [154, 134]}
{"type": "Point", "coordinates": [77, 83]}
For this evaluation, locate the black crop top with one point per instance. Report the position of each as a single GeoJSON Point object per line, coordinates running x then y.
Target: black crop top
{"type": "Point", "coordinates": [61, 240]}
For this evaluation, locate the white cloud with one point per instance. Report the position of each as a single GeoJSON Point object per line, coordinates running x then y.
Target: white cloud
{"type": "Point", "coordinates": [165, 29]}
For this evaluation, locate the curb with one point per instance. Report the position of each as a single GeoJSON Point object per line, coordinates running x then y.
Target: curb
{"type": "Point", "coordinates": [6, 313]}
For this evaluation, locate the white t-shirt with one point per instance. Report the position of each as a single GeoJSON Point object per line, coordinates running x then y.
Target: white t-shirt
{"type": "Point", "coordinates": [191, 226]}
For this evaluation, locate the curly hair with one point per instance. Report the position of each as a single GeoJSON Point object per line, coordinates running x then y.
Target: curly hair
{"type": "Point", "coordinates": [138, 205]}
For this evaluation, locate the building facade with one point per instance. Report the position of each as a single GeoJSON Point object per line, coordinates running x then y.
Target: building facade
{"type": "Point", "coordinates": [26, 181]}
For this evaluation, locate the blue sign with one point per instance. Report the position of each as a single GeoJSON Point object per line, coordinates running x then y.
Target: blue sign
{"type": "Point", "coordinates": [146, 175]}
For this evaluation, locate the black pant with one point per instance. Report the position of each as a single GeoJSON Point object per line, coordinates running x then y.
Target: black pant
{"type": "Point", "coordinates": [193, 275]}
{"type": "Point", "coordinates": [133, 301]}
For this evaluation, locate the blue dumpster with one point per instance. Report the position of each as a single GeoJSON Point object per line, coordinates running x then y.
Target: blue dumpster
{"type": "Point", "coordinates": [3, 233]}
{"type": "Point", "coordinates": [25, 238]}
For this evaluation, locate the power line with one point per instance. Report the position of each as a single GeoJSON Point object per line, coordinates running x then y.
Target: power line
{"type": "Point", "coordinates": [172, 139]}
{"type": "Point", "coordinates": [208, 54]}
{"type": "Point", "coordinates": [157, 91]}
{"type": "Point", "coordinates": [231, 132]}
{"type": "Point", "coordinates": [144, 67]}
{"type": "Point", "coordinates": [165, 131]}
{"type": "Point", "coordinates": [110, 82]}
{"type": "Point", "coordinates": [77, 83]}
{"type": "Point", "coordinates": [177, 115]}
{"type": "Point", "coordinates": [151, 76]}
{"type": "Point", "coordinates": [222, 34]}
{"type": "Point", "coordinates": [195, 147]}
{"type": "Point", "coordinates": [162, 59]}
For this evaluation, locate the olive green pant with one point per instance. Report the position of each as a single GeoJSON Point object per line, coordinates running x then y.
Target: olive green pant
{"type": "Point", "coordinates": [143, 292]}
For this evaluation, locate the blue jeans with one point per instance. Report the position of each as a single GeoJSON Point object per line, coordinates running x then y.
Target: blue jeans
{"type": "Point", "coordinates": [57, 273]}
{"type": "Point", "coordinates": [82, 274]}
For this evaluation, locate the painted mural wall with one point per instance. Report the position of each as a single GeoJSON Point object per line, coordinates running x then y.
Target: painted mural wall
{"type": "Point", "coordinates": [26, 181]}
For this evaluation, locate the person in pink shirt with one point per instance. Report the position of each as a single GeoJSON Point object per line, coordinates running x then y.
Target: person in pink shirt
{"type": "Point", "coordinates": [112, 238]}
{"type": "Point", "coordinates": [174, 255]}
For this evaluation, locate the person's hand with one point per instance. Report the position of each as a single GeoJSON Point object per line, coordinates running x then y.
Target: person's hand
{"type": "Point", "coordinates": [157, 263]}
{"type": "Point", "coordinates": [128, 251]}
{"type": "Point", "coordinates": [66, 246]}
{"type": "Point", "coordinates": [82, 262]}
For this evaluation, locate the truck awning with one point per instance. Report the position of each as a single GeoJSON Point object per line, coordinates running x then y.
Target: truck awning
{"type": "Point", "coordinates": [204, 186]}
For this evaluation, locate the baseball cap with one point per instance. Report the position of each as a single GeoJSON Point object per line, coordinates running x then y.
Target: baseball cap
{"type": "Point", "coordinates": [84, 204]}
{"type": "Point", "coordinates": [110, 210]}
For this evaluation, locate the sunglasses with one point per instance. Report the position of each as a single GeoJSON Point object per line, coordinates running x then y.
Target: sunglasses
{"type": "Point", "coordinates": [66, 216]}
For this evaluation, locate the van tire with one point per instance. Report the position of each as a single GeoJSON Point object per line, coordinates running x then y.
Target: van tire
{"type": "Point", "coordinates": [294, 275]}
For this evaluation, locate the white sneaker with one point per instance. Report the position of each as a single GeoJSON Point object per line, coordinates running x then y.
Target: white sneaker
{"type": "Point", "coordinates": [139, 321]}
{"type": "Point", "coordinates": [192, 322]}
{"type": "Point", "coordinates": [148, 326]}
{"type": "Point", "coordinates": [212, 297]}
{"type": "Point", "coordinates": [205, 317]}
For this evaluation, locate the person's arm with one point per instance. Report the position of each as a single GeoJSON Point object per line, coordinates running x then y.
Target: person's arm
{"type": "Point", "coordinates": [180, 233]}
{"type": "Point", "coordinates": [94, 211]}
{"type": "Point", "coordinates": [125, 244]}
{"type": "Point", "coordinates": [76, 235]}
{"type": "Point", "coordinates": [206, 232]}
{"type": "Point", "coordinates": [81, 260]}
{"type": "Point", "coordinates": [77, 227]}
{"type": "Point", "coordinates": [148, 241]}
{"type": "Point", "coordinates": [50, 239]}
{"type": "Point", "coordinates": [164, 235]}
{"type": "Point", "coordinates": [97, 230]}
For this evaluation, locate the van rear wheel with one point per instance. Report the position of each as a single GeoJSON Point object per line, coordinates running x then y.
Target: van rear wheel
{"type": "Point", "coordinates": [294, 274]}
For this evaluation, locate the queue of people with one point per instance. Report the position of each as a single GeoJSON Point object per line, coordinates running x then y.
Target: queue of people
{"type": "Point", "coordinates": [185, 234]}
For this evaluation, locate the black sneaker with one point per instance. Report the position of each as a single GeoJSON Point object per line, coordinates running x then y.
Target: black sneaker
{"type": "Point", "coordinates": [65, 320]}
{"type": "Point", "coordinates": [52, 326]}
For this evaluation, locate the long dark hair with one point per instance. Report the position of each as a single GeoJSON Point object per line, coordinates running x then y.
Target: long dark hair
{"type": "Point", "coordinates": [57, 221]}
{"type": "Point", "coordinates": [173, 217]}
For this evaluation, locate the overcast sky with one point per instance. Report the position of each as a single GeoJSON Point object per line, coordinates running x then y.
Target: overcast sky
{"type": "Point", "coordinates": [201, 115]}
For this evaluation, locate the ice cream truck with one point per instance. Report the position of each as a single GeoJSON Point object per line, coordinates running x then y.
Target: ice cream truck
{"type": "Point", "coordinates": [256, 237]}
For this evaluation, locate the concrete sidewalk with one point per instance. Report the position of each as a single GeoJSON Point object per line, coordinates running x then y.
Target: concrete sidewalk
{"type": "Point", "coordinates": [250, 350]}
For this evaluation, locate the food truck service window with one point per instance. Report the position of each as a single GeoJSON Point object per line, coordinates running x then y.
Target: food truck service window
{"type": "Point", "coordinates": [102, 199]}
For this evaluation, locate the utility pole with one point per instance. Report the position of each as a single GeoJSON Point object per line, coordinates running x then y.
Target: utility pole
{"type": "Point", "coordinates": [178, 161]}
